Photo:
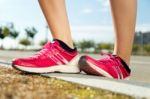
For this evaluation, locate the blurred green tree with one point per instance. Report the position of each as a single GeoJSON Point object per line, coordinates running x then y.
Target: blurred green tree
{"type": "Point", "coordinates": [136, 48]}
{"type": "Point", "coordinates": [147, 48]}
{"type": "Point", "coordinates": [104, 46]}
{"type": "Point", "coordinates": [31, 32]}
{"type": "Point", "coordinates": [8, 31]}
{"type": "Point", "coordinates": [86, 44]}
{"type": "Point", "coordinates": [1, 34]}
{"type": "Point", "coordinates": [25, 42]}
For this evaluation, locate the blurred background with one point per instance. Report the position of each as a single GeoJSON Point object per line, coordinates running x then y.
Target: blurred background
{"type": "Point", "coordinates": [24, 30]}
{"type": "Point", "coordinates": [23, 26]}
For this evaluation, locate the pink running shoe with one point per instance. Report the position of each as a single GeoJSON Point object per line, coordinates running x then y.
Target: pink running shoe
{"type": "Point", "coordinates": [112, 66]}
{"type": "Point", "coordinates": [52, 58]}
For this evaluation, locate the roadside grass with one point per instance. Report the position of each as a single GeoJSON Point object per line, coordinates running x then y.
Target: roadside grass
{"type": "Point", "coordinates": [18, 85]}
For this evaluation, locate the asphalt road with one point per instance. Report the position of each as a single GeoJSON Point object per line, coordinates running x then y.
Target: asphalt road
{"type": "Point", "coordinates": [140, 65]}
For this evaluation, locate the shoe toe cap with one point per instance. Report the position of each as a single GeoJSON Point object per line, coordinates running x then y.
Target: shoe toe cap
{"type": "Point", "coordinates": [20, 62]}
{"type": "Point", "coordinates": [17, 61]}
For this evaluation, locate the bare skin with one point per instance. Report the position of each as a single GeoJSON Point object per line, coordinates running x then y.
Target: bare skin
{"type": "Point", "coordinates": [124, 16]}
{"type": "Point", "coordinates": [56, 16]}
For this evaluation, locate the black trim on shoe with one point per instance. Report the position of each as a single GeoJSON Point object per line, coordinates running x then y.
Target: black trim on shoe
{"type": "Point", "coordinates": [125, 66]}
{"type": "Point", "coordinates": [65, 46]}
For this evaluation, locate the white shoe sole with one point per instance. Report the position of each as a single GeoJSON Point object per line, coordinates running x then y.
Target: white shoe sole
{"type": "Point", "coordinates": [71, 67]}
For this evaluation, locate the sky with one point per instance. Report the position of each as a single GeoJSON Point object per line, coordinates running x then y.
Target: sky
{"type": "Point", "coordinates": [89, 19]}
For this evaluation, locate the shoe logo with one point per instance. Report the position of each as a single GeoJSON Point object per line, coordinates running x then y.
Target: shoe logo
{"type": "Point", "coordinates": [54, 59]}
{"type": "Point", "coordinates": [58, 58]}
{"type": "Point", "coordinates": [118, 72]}
{"type": "Point", "coordinates": [61, 58]}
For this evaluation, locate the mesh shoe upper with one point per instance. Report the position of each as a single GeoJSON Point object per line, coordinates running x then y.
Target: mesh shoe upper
{"type": "Point", "coordinates": [112, 64]}
{"type": "Point", "coordinates": [52, 54]}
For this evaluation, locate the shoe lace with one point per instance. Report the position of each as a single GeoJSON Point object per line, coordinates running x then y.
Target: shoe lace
{"type": "Point", "coordinates": [48, 52]}
{"type": "Point", "coordinates": [110, 59]}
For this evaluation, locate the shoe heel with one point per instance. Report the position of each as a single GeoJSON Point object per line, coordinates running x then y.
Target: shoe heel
{"type": "Point", "coordinates": [85, 67]}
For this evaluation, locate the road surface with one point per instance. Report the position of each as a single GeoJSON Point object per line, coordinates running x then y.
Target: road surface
{"type": "Point", "coordinates": [140, 65]}
{"type": "Point", "coordinates": [138, 85]}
